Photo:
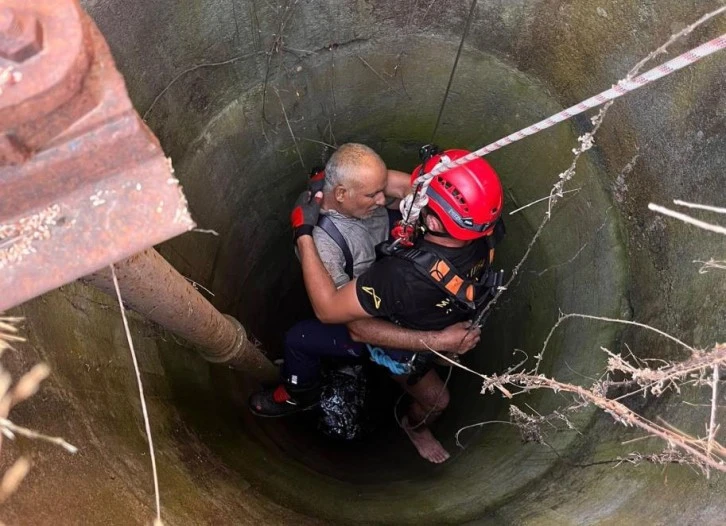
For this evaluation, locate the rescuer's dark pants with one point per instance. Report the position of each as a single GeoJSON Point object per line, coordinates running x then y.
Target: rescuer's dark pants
{"type": "Point", "coordinates": [310, 340]}
{"type": "Point", "coordinates": [307, 342]}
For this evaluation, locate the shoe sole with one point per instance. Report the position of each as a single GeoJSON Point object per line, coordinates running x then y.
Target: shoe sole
{"type": "Point", "coordinates": [261, 415]}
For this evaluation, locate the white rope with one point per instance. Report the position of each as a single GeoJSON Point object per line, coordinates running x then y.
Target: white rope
{"type": "Point", "coordinates": [412, 205]}
{"type": "Point", "coordinates": [144, 410]}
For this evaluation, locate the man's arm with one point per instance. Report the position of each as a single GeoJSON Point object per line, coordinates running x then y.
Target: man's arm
{"type": "Point", "coordinates": [398, 185]}
{"type": "Point", "coordinates": [457, 338]}
{"type": "Point", "coordinates": [331, 305]}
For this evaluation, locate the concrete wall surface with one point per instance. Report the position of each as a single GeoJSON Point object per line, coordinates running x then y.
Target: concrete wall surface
{"type": "Point", "coordinates": [244, 96]}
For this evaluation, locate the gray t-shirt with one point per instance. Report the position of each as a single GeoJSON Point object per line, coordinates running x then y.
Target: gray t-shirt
{"type": "Point", "coordinates": [362, 236]}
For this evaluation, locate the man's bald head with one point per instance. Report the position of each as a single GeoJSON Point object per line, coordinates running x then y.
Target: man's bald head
{"type": "Point", "coordinates": [344, 166]}
{"type": "Point", "coordinates": [355, 179]}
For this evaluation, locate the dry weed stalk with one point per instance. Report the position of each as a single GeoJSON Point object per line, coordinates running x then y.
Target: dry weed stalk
{"type": "Point", "coordinates": [8, 332]}
{"type": "Point", "coordinates": [710, 264]}
{"type": "Point", "coordinates": [530, 426]}
{"type": "Point", "coordinates": [701, 368]}
{"type": "Point", "coordinates": [704, 453]}
{"type": "Point", "coordinates": [713, 428]}
{"type": "Point", "coordinates": [711, 227]}
{"type": "Point", "coordinates": [563, 317]}
{"type": "Point", "coordinates": [669, 455]}
{"type": "Point", "coordinates": [669, 376]}
{"type": "Point", "coordinates": [24, 388]}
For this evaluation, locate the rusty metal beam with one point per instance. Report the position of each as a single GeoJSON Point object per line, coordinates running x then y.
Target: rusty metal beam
{"type": "Point", "coordinates": [153, 288]}
{"type": "Point", "coordinates": [83, 181]}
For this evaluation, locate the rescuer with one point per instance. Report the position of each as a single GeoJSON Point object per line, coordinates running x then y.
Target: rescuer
{"type": "Point", "coordinates": [443, 279]}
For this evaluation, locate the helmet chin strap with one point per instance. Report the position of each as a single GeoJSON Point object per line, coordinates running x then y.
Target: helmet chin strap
{"type": "Point", "coordinates": [438, 234]}
{"type": "Point", "coordinates": [424, 230]}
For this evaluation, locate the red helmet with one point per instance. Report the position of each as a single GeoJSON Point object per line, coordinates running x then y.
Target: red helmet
{"type": "Point", "coordinates": [468, 198]}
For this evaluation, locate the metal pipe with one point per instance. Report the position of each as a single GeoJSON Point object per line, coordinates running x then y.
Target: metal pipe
{"type": "Point", "coordinates": [153, 288]}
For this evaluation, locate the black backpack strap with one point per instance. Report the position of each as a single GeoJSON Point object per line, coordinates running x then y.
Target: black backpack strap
{"type": "Point", "coordinates": [329, 228]}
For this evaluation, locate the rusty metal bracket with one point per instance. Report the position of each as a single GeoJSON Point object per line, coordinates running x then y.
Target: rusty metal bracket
{"type": "Point", "coordinates": [83, 181]}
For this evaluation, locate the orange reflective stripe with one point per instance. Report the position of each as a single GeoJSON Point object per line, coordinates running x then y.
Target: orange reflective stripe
{"type": "Point", "coordinates": [439, 270]}
{"type": "Point", "coordinates": [454, 285]}
{"type": "Point", "coordinates": [470, 293]}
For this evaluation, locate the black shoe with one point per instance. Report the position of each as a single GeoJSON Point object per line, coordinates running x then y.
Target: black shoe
{"type": "Point", "coordinates": [280, 401]}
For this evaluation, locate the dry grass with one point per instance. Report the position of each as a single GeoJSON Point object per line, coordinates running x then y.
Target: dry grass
{"type": "Point", "coordinates": [705, 453]}
{"type": "Point", "coordinates": [10, 396]}
{"type": "Point", "coordinates": [700, 368]}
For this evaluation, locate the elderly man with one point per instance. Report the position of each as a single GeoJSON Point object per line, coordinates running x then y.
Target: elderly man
{"type": "Point", "coordinates": [353, 221]}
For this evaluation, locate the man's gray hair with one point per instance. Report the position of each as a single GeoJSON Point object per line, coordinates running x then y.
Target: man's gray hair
{"type": "Point", "coordinates": [340, 169]}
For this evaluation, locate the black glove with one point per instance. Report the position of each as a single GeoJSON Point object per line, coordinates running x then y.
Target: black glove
{"type": "Point", "coordinates": [317, 180]}
{"type": "Point", "coordinates": [305, 213]}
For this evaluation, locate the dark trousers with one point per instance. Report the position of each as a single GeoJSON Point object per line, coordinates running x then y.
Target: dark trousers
{"type": "Point", "coordinates": [307, 342]}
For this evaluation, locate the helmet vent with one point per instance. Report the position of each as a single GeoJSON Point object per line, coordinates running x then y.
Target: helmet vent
{"type": "Point", "coordinates": [453, 192]}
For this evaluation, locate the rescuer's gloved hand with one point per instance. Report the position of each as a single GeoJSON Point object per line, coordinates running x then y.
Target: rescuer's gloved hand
{"type": "Point", "coordinates": [305, 213]}
{"type": "Point", "coordinates": [317, 180]}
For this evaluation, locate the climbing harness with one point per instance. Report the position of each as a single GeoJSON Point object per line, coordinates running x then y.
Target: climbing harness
{"type": "Point", "coordinates": [468, 202]}
{"type": "Point", "coordinates": [467, 294]}
{"type": "Point", "coordinates": [412, 205]}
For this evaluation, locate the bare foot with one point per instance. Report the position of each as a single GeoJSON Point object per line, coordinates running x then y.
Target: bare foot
{"type": "Point", "coordinates": [425, 442]}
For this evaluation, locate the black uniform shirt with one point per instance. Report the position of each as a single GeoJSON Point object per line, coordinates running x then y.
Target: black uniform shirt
{"type": "Point", "coordinates": [394, 289]}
